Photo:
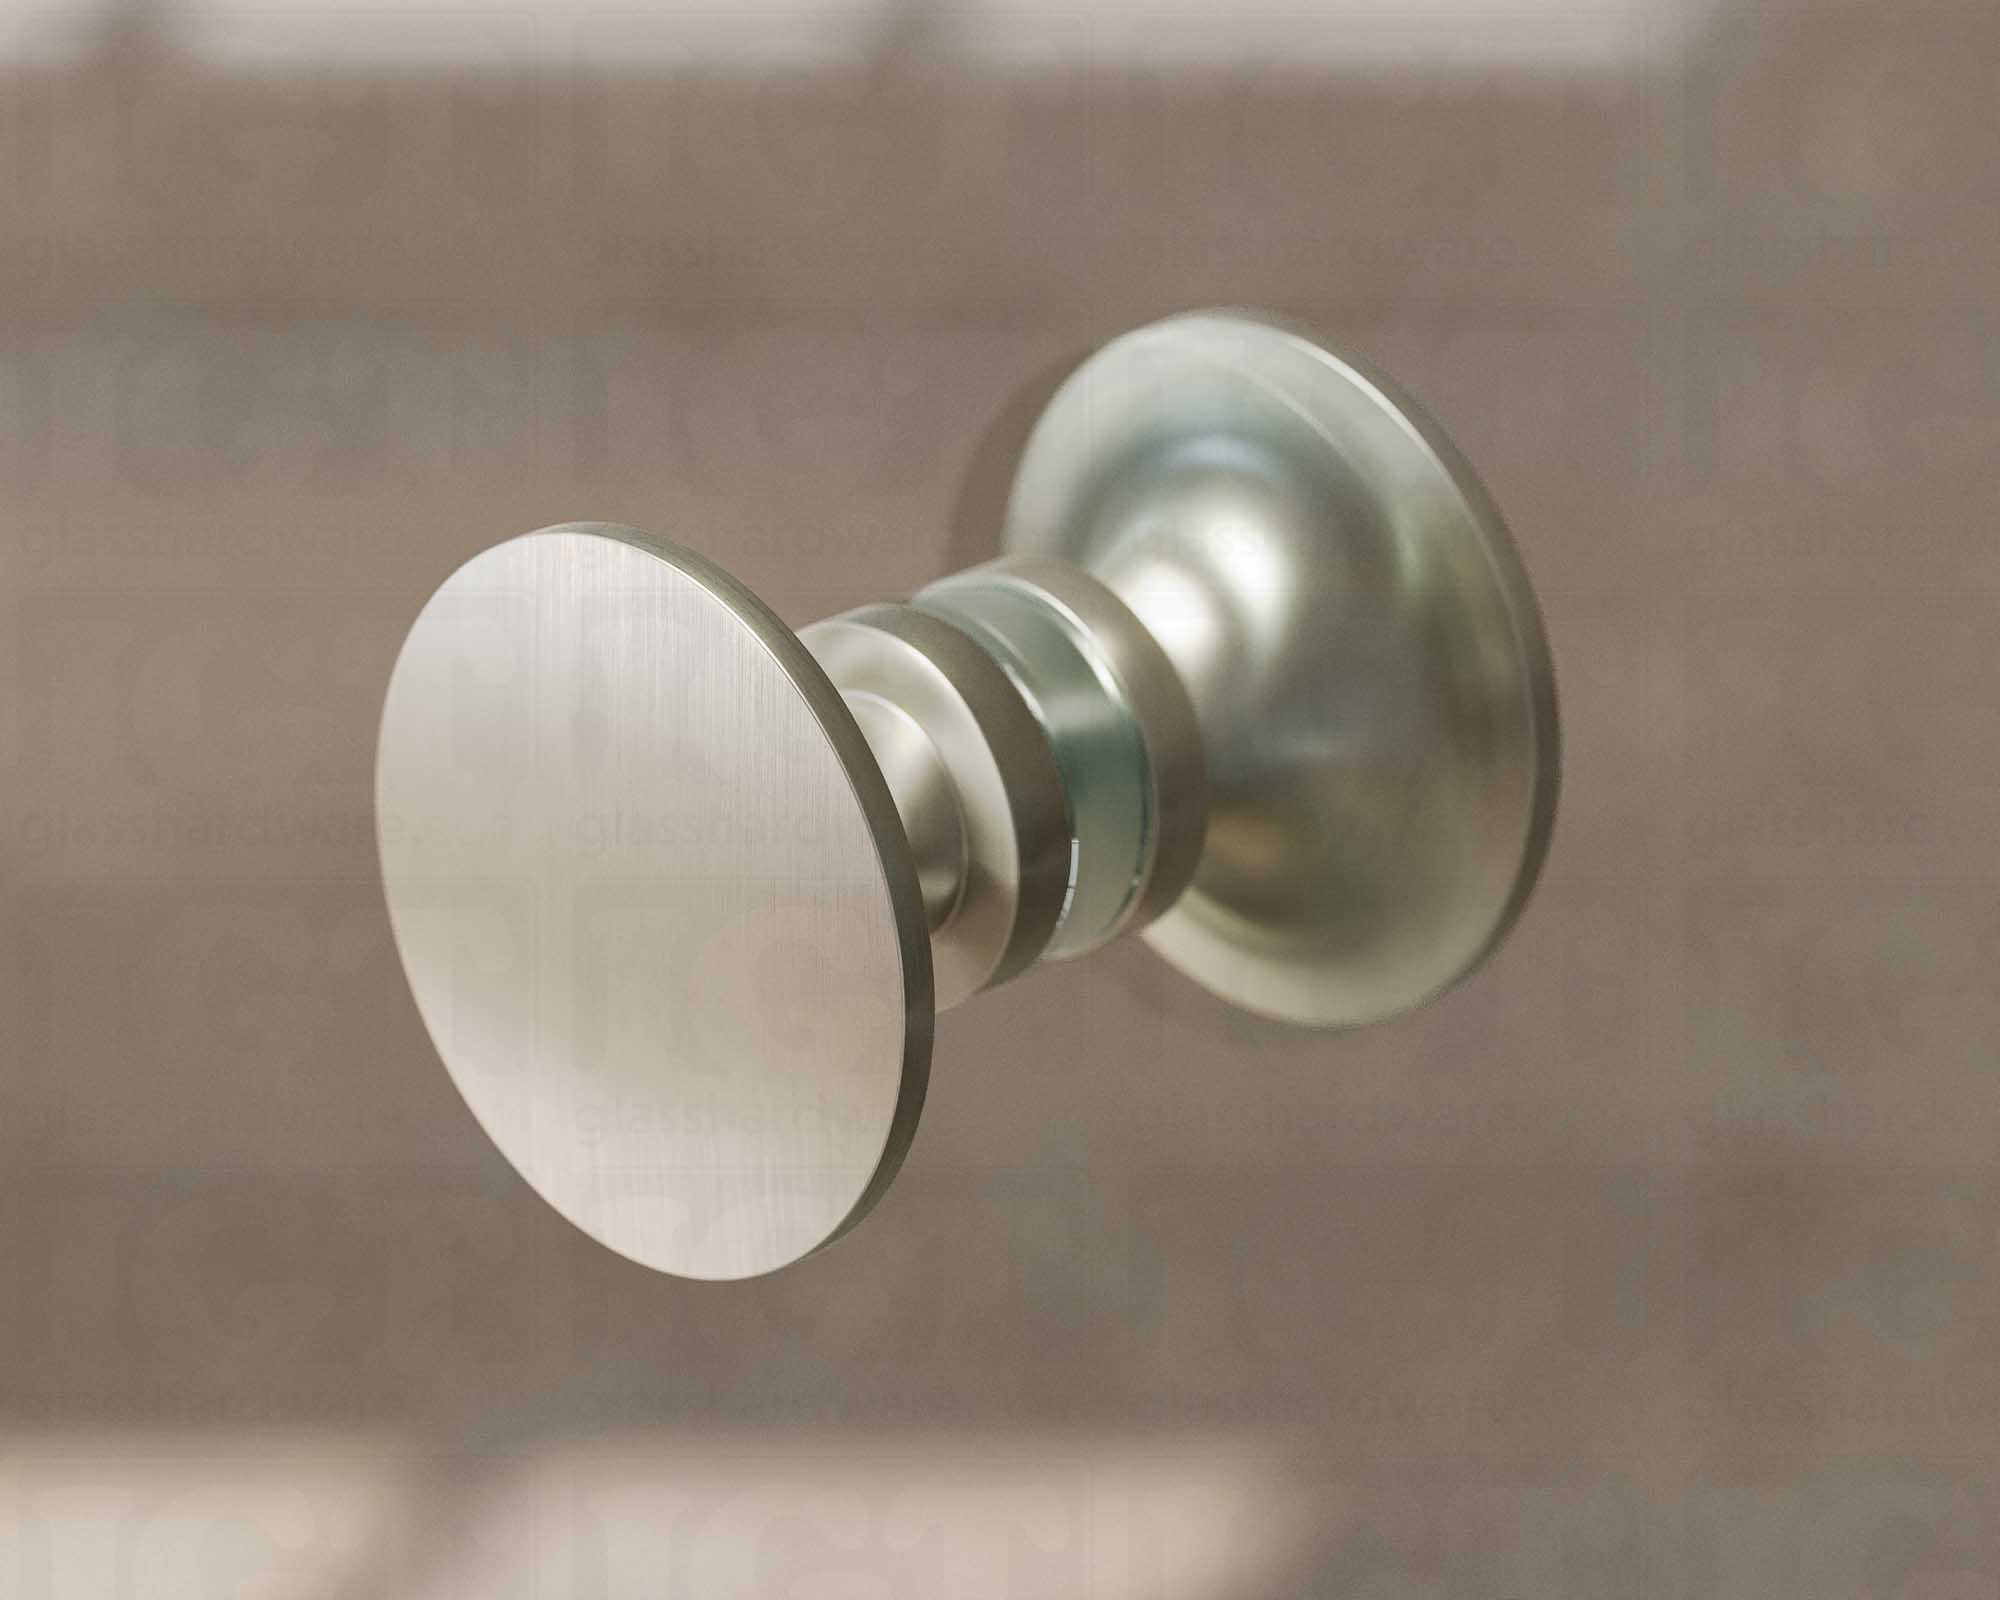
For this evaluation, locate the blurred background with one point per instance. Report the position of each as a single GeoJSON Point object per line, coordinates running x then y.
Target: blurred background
{"type": "Point", "coordinates": [1659, 1259]}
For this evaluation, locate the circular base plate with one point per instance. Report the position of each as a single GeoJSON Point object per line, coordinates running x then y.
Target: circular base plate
{"type": "Point", "coordinates": [1359, 641]}
{"type": "Point", "coordinates": [654, 900]}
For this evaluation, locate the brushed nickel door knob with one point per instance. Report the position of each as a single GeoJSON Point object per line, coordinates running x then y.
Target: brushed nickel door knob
{"type": "Point", "coordinates": [678, 890]}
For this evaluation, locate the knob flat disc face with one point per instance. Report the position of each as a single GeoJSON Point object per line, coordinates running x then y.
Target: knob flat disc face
{"type": "Point", "coordinates": [653, 900]}
{"type": "Point", "coordinates": [1359, 640]}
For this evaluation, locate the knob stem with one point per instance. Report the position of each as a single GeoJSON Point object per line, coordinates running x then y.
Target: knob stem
{"type": "Point", "coordinates": [1043, 755]}
{"type": "Point", "coordinates": [926, 799]}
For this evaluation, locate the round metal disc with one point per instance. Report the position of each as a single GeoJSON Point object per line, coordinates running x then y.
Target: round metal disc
{"type": "Point", "coordinates": [654, 900]}
{"type": "Point", "coordinates": [1359, 640]}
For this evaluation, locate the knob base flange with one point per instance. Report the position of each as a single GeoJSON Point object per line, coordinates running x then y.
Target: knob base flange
{"type": "Point", "coordinates": [1357, 636]}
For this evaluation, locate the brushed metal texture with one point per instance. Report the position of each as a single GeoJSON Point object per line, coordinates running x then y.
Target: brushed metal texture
{"type": "Point", "coordinates": [654, 900]}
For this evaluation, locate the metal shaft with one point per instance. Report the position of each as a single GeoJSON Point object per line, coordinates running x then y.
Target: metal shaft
{"type": "Point", "coordinates": [1043, 754]}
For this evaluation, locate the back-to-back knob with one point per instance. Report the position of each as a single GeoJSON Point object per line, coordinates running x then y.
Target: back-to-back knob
{"type": "Point", "coordinates": [679, 891]}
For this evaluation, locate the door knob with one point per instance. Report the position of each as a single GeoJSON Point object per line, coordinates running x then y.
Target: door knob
{"type": "Point", "coordinates": [678, 891]}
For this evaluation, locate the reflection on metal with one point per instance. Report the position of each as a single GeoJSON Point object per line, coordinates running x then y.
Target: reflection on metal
{"type": "Point", "coordinates": [677, 890]}
{"type": "Point", "coordinates": [1357, 636]}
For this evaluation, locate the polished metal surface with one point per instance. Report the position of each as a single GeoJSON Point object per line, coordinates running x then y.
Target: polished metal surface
{"type": "Point", "coordinates": [1359, 642]}
{"type": "Point", "coordinates": [1010, 793]}
{"type": "Point", "coordinates": [1119, 723]}
{"type": "Point", "coordinates": [654, 900]}
{"type": "Point", "coordinates": [678, 891]}
{"type": "Point", "coordinates": [926, 800]}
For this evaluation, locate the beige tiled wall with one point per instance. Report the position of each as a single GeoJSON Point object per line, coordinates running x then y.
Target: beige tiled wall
{"type": "Point", "coordinates": [1663, 1258]}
